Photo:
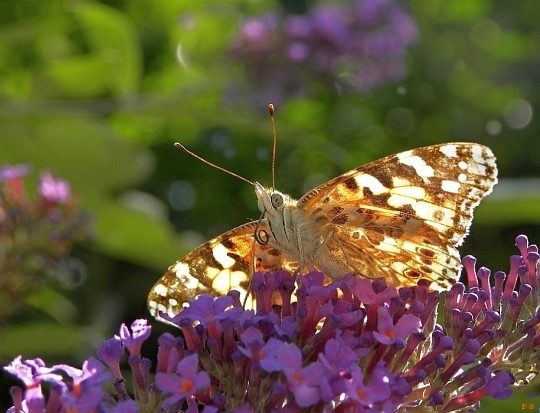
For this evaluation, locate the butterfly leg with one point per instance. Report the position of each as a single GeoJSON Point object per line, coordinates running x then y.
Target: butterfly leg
{"type": "Point", "coordinates": [348, 260]}
{"type": "Point", "coordinates": [252, 270]}
{"type": "Point", "coordinates": [301, 259]}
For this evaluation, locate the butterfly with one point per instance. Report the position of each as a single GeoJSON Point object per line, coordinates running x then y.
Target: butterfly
{"type": "Point", "coordinates": [399, 218]}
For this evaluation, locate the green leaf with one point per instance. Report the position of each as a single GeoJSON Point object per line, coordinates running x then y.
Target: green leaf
{"type": "Point", "coordinates": [41, 339]}
{"type": "Point", "coordinates": [113, 36]}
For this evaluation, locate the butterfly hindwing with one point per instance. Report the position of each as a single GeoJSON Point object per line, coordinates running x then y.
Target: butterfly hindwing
{"type": "Point", "coordinates": [215, 267]}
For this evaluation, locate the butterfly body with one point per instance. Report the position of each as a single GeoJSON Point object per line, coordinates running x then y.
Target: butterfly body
{"type": "Point", "coordinates": [288, 228]}
{"type": "Point", "coordinates": [399, 218]}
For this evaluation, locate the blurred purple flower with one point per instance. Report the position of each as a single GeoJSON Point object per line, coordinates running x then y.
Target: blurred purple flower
{"type": "Point", "coordinates": [54, 190]}
{"type": "Point", "coordinates": [361, 45]}
{"type": "Point", "coordinates": [11, 172]}
{"type": "Point", "coordinates": [45, 225]}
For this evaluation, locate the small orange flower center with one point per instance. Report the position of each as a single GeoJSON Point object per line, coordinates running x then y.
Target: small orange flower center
{"type": "Point", "coordinates": [186, 386]}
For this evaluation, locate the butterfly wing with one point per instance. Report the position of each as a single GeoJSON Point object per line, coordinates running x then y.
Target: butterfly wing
{"type": "Point", "coordinates": [402, 217]}
{"type": "Point", "coordinates": [215, 267]}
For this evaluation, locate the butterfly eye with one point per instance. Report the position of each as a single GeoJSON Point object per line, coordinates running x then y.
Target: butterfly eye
{"type": "Point", "coordinates": [277, 200]}
{"type": "Point", "coordinates": [262, 237]}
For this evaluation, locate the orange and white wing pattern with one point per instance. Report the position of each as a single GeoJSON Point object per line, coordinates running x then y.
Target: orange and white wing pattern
{"type": "Point", "coordinates": [401, 217]}
{"type": "Point", "coordinates": [215, 268]}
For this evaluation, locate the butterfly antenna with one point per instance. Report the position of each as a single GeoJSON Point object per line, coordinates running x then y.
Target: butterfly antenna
{"type": "Point", "coordinates": [274, 144]}
{"type": "Point", "coordinates": [182, 148]}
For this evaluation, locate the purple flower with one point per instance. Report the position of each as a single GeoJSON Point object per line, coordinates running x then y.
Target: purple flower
{"type": "Point", "coordinates": [54, 190]}
{"type": "Point", "coordinates": [91, 374]}
{"type": "Point", "coordinates": [140, 331]}
{"type": "Point", "coordinates": [128, 406]}
{"type": "Point", "coordinates": [324, 350]}
{"type": "Point", "coordinates": [170, 352]}
{"type": "Point", "coordinates": [184, 382]}
{"type": "Point", "coordinates": [338, 356]}
{"type": "Point", "coordinates": [84, 402]}
{"type": "Point", "coordinates": [303, 382]}
{"type": "Point", "coordinates": [259, 31]}
{"type": "Point", "coordinates": [21, 370]}
{"type": "Point", "coordinates": [82, 393]}
{"type": "Point", "coordinates": [12, 172]}
{"type": "Point", "coordinates": [377, 390]}
{"type": "Point", "coordinates": [375, 293]}
{"type": "Point", "coordinates": [45, 232]}
{"type": "Point", "coordinates": [110, 352]}
{"type": "Point", "coordinates": [498, 385]}
{"type": "Point", "coordinates": [32, 372]}
{"type": "Point", "coordinates": [208, 312]}
{"type": "Point", "coordinates": [269, 360]}
{"type": "Point", "coordinates": [388, 333]}
{"type": "Point", "coordinates": [252, 338]}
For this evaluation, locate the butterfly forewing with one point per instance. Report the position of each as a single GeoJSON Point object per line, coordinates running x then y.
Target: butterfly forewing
{"type": "Point", "coordinates": [401, 217]}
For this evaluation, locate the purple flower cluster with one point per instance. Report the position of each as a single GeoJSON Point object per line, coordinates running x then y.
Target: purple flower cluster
{"type": "Point", "coordinates": [36, 233]}
{"type": "Point", "coordinates": [349, 346]}
{"type": "Point", "coordinates": [360, 45]}
{"type": "Point", "coordinates": [72, 390]}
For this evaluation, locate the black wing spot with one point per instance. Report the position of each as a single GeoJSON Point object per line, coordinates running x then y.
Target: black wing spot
{"type": "Point", "coordinates": [351, 184]}
{"type": "Point", "coordinates": [228, 244]}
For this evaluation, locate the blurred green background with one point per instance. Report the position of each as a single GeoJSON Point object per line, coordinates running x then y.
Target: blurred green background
{"type": "Point", "coordinates": [98, 91]}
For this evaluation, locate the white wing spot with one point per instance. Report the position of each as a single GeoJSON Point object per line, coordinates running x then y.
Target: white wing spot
{"type": "Point", "coordinates": [462, 177]}
{"type": "Point", "coordinates": [368, 181]}
{"type": "Point", "coordinates": [404, 195]}
{"type": "Point", "coordinates": [398, 181]}
{"type": "Point", "coordinates": [220, 254]}
{"type": "Point", "coordinates": [419, 165]}
{"type": "Point", "coordinates": [449, 150]}
{"type": "Point", "coordinates": [450, 186]}
{"type": "Point", "coordinates": [161, 290]}
{"type": "Point", "coordinates": [180, 269]}
{"type": "Point", "coordinates": [463, 165]}
{"type": "Point", "coordinates": [478, 155]}
{"type": "Point", "coordinates": [224, 279]}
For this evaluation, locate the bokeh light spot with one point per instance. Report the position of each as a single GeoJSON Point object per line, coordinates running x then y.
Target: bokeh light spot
{"type": "Point", "coordinates": [493, 127]}
{"type": "Point", "coordinates": [400, 121]}
{"type": "Point", "coordinates": [518, 113]}
{"type": "Point", "coordinates": [181, 195]}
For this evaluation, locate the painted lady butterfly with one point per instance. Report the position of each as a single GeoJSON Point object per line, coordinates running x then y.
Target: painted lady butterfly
{"type": "Point", "coordinates": [399, 218]}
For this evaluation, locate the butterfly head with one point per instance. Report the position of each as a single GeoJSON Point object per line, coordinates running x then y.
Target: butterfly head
{"type": "Point", "coordinates": [271, 201]}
